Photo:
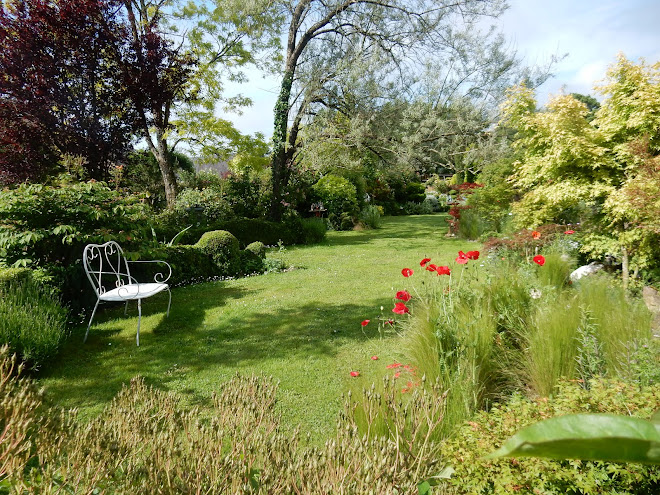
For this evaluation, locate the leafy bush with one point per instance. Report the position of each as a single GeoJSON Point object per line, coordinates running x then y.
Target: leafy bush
{"type": "Point", "coordinates": [470, 225]}
{"type": "Point", "coordinates": [257, 248]}
{"type": "Point", "coordinates": [487, 431]}
{"type": "Point", "coordinates": [69, 217]}
{"type": "Point", "coordinates": [222, 247]}
{"type": "Point", "coordinates": [423, 208]}
{"type": "Point", "coordinates": [314, 230]}
{"type": "Point", "coordinates": [415, 192]}
{"type": "Point", "coordinates": [248, 194]}
{"type": "Point", "coordinates": [339, 197]}
{"type": "Point", "coordinates": [32, 322]}
{"type": "Point", "coordinates": [370, 217]}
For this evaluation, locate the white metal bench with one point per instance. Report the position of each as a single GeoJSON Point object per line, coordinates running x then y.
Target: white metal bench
{"type": "Point", "coordinates": [108, 271]}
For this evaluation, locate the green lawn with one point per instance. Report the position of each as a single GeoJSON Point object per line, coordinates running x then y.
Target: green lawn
{"type": "Point", "coordinates": [302, 327]}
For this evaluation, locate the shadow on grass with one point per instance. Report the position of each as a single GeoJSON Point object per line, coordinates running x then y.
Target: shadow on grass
{"type": "Point", "coordinates": [200, 338]}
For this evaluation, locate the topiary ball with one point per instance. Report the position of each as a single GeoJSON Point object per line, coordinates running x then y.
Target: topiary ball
{"type": "Point", "coordinates": [222, 246]}
{"type": "Point", "coordinates": [257, 248]}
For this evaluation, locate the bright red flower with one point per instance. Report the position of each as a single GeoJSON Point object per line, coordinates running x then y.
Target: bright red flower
{"type": "Point", "coordinates": [374, 358]}
{"type": "Point", "coordinates": [536, 234]}
{"type": "Point", "coordinates": [539, 260]}
{"type": "Point", "coordinates": [472, 255]}
{"type": "Point", "coordinates": [407, 272]}
{"type": "Point", "coordinates": [443, 270]}
{"type": "Point", "coordinates": [569, 232]}
{"type": "Point", "coordinates": [355, 373]}
{"type": "Point", "coordinates": [393, 365]}
{"type": "Point", "coordinates": [400, 309]}
{"type": "Point", "coordinates": [365, 323]}
{"type": "Point", "coordinates": [389, 322]}
{"type": "Point", "coordinates": [424, 262]}
{"type": "Point", "coordinates": [403, 295]}
{"type": "Point", "coordinates": [397, 374]}
{"type": "Point", "coordinates": [432, 267]}
{"type": "Point", "coordinates": [462, 258]}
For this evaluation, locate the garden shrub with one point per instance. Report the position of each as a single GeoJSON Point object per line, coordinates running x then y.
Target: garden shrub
{"type": "Point", "coordinates": [69, 217]}
{"type": "Point", "coordinates": [339, 197]}
{"type": "Point", "coordinates": [190, 264]}
{"type": "Point", "coordinates": [222, 247]}
{"type": "Point", "coordinates": [488, 430]}
{"type": "Point", "coordinates": [257, 248]}
{"type": "Point", "coordinates": [370, 217]}
{"type": "Point", "coordinates": [247, 194]}
{"type": "Point", "coordinates": [314, 230]}
{"type": "Point", "coordinates": [415, 192]}
{"type": "Point", "coordinates": [413, 208]}
{"type": "Point", "coordinates": [249, 230]}
{"type": "Point", "coordinates": [32, 322]}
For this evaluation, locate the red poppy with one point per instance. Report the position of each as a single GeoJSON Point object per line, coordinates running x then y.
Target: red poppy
{"type": "Point", "coordinates": [536, 234]}
{"type": "Point", "coordinates": [403, 295]}
{"type": "Point", "coordinates": [462, 258]}
{"type": "Point", "coordinates": [393, 365]}
{"type": "Point", "coordinates": [397, 374]}
{"type": "Point", "coordinates": [355, 373]}
{"type": "Point", "coordinates": [472, 255]}
{"type": "Point", "coordinates": [569, 232]}
{"type": "Point", "coordinates": [443, 270]}
{"type": "Point", "coordinates": [432, 267]}
{"type": "Point", "coordinates": [400, 309]}
{"type": "Point", "coordinates": [389, 322]}
{"type": "Point", "coordinates": [404, 390]}
{"type": "Point", "coordinates": [424, 262]}
{"type": "Point", "coordinates": [407, 272]}
{"type": "Point", "coordinates": [374, 358]}
{"type": "Point", "coordinates": [365, 323]}
{"type": "Point", "coordinates": [539, 260]}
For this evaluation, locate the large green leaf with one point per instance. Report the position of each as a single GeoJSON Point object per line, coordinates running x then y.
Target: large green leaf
{"type": "Point", "coordinates": [601, 437]}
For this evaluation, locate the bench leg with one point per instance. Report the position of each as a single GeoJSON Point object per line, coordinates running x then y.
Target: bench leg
{"type": "Point", "coordinates": [90, 320]}
{"type": "Point", "coordinates": [139, 319]}
{"type": "Point", "coordinates": [170, 302]}
{"type": "Point", "coordinates": [126, 309]}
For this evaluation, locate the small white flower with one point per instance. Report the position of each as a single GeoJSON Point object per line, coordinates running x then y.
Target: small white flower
{"type": "Point", "coordinates": [535, 293]}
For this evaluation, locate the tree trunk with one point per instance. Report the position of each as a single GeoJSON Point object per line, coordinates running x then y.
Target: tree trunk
{"type": "Point", "coordinates": [279, 146]}
{"type": "Point", "coordinates": [625, 271]}
{"type": "Point", "coordinates": [167, 171]}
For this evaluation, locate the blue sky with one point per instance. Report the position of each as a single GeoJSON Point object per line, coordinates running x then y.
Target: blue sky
{"type": "Point", "coordinates": [590, 32]}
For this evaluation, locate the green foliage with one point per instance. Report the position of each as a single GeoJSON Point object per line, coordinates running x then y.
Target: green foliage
{"type": "Point", "coordinates": [413, 208]}
{"type": "Point", "coordinates": [314, 230]}
{"type": "Point", "coordinates": [595, 437]}
{"type": "Point", "coordinates": [257, 248]}
{"type": "Point", "coordinates": [471, 225]}
{"type": "Point", "coordinates": [339, 197]}
{"type": "Point", "coordinates": [248, 194]}
{"type": "Point", "coordinates": [415, 192]}
{"type": "Point", "coordinates": [32, 322]}
{"type": "Point", "coordinates": [487, 431]}
{"type": "Point", "coordinates": [370, 217]}
{"type": "Point", "coordinates": [190, 264]}
{"type": "Point", "coordinates": [70, 216]}
{"type": "Point", "coordinates": [222, 247]}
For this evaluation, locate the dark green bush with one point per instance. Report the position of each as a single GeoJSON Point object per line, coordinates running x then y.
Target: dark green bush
{"type": "Point", "coordinates": [222, 247]}
{"type": "Point", "coordinates": [257, 248]}
{"type": "Point", "coordinates": [314, 230]}
{"type": "Point", "coordinates": [32, 322]}
{"type": "Point", "coordinates": [415, 192]}
{"type": "Point", "coordinates": [248, 195]}
{"type": "Point", "coordinates": [190, 264]}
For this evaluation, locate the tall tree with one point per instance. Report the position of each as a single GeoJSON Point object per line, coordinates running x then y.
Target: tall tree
{"type": "Point", "coordinates": [396, 30]}
{"type": "Point", "coordinates": [59, 91]}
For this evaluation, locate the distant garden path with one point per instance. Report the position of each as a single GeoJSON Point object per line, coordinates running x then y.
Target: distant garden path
{"type": "Point", "coordinates": [302, 327]}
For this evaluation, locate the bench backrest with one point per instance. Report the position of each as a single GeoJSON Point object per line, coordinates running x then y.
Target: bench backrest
{"type": "Point", "coordinates": [106, 266]}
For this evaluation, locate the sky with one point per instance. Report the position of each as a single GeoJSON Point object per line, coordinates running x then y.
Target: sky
{"type": "Point", "coordinates": [590, 32]}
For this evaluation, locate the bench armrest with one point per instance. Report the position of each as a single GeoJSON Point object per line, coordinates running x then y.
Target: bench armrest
{"type": "Point", "coordinates": [159, 277]}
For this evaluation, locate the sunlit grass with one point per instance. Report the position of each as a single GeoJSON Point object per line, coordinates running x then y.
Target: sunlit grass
{"type": "Point", "coordinates": [302, 327]}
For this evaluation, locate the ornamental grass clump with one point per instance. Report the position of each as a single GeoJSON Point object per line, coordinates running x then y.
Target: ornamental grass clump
{"type": "Point", "coordinates": [144, 442]}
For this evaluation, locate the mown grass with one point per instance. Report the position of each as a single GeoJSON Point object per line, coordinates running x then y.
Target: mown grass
{"type": "Point", "coordinates": [302, 327]}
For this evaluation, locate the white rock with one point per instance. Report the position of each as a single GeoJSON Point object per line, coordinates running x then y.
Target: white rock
{"type": "Point", "coordinates": [586, 270]}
